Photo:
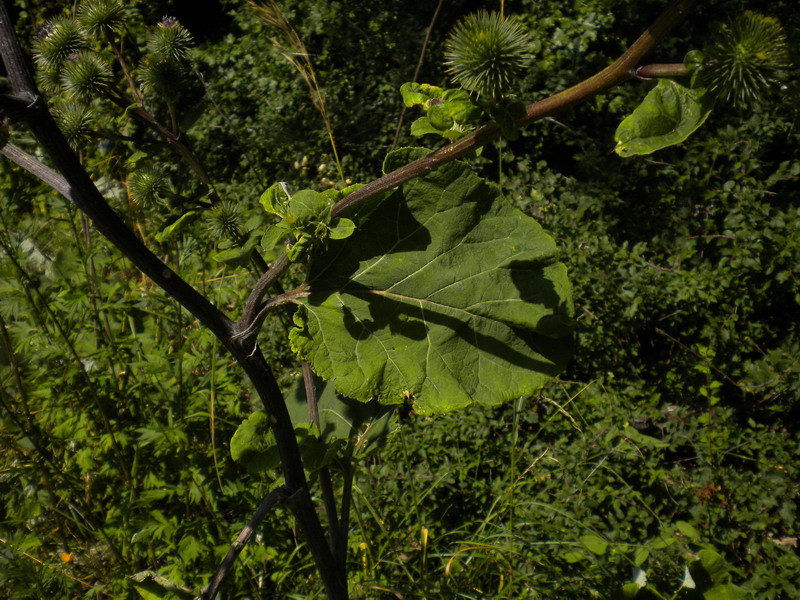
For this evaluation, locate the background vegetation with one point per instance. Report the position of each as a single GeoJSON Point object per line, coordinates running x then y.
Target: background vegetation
{"type": "Point", "coordinates": [674, 429]}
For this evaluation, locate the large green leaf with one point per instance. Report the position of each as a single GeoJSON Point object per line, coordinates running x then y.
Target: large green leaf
{"type": "Point", "coordinates": [447, 296]}
{"type": "Point", "coordinates": [340, 418]}
{"type": "Point", "coordinates": [254, 446]}
{"type": "Point", "coordinates": [668, 115]}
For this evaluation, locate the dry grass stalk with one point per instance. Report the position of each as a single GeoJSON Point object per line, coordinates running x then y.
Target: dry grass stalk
{"type": "Point", "coordinates": [294, 50]}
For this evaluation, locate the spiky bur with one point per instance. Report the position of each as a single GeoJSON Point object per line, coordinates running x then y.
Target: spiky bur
{"type": "Point", "coordinates": [160, 77]}
{"type": "Point", "coordinates": [145, 186]}
{"type": "Point", "coordinates": [486, 54]}
{"type": "Point", "coordinates": [746, 58]}
{"type": "Point", "coordinates": [224, 220]}
{"type": "Point", "coordinates": [169, 41]}
{"type": "Point", "coordinates": [85, 76]}
{"type": "Point", "coordinates": [48, 81]}
{"type": "Point", "coordinates": [74, 120]}
{"type": "Point", "coordinates": [101, 17]}
{"type": "Point", "coordinates": [56, 41]}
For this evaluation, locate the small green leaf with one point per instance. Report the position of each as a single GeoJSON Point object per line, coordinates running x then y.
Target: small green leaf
{"type": "Point", "coordinates": [253, 444]}
{"type": "Point", "coordinates": [300, 248]}
{"type": "Point", "coordinates": [640, 556]}
{"type": "Point", "coordinates": [273, 236]}
{"type": "Point", "coordinates": [238, 256]}
{"type": "Point", "coordinates": [341, 228]}
{"type": "Point", "coordinates": [714, 564]}
{"type": "Point", "coordinates": [687, 530]}
{"type": "Point", "coordinates": [135, 158]}
{"type": "Point", "coordinates": [419, 93]}
{"type": "Point", "coordinates": [170, 230]}
{"type": "Point", "coordinates": [307, 207]}
{"type": "Point", "coordinates": [189, 548]}
{"type": "Point", "coordinates": [642, 440]}
{"type": "Point", "coordinates": [668, 115]}
{"type": "Point", "coordinates": [630, 591]}
{"type": "Point", "coordinates": [662, 542]}
{"type": "Point", "coordinates": [594, 544]}
{"type": "Point", "coordinates": [574, 557]}
{"type": "Point", "coordinates": [422, 126]}
{"type": "Point", "coordinates": [693, 60]}
{"type": "Point", "coordinates": [460, 106]}
{"type": "Point", "coordinates": [439, 117]}
{"type": "Point", "coordinates": [726, 591]}
{"type": "Point", "coordinates": [274, 200]}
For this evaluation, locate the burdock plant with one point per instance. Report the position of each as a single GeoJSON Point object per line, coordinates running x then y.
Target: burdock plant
{"type": "Point", "coordinates": [85, 76]}
{"type": "Point", "coordinates": [56, 41]}
{"type": "Point", "coordinates": [486, 54]}
{"type": "Point", "coordinates": [101, 16]}
{"type": "Point", "coordinates": [224, 220]}
{"type": "Point", "coordinates": [146, 185]}
{"type": "Point", "coordinates": [74, 121]}
{"type": "Point", "coordinates": [746, 59]}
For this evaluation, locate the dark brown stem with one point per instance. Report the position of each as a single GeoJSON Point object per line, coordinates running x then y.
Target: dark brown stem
{"type": "Point", "coordinates": [344, 519]}
{"type": "Point", "coordinates": [172, 138]}
{"type": "Point", "coordinates": [254, 311]}
{"type": "Point", "coordinates": [325, 482]}
{"type": "Point", "coordinates": [301, 503]}
{"type": "Point", "coordinates": [39, 170]}
{"type": "Point", "coordinates": [273, 498]}
{"type": "Point", "coordinates": [123, 65]}
{"type": "Point", "coordinates": [609, 77]}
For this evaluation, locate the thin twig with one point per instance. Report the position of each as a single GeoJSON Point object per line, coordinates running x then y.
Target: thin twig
{"type": "Point", "coordinates": [273, 498]}
{"type": "Point", "coordinates": [659, 71]}
{"type": "Point", "coordinates": [325, 481]}
{"type": "Point", "coordinates": [344, 518]}
{"type": "Point", "coordinates": [265, 309]}
{"type": "Point", "coordinates": [38, 169]}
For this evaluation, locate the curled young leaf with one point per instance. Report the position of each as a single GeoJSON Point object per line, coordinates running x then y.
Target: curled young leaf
{"type": "Point", "coordinates": [667, 116]}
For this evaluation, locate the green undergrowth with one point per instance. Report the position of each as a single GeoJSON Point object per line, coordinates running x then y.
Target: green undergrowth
{"type": "Point", "coordinates": [599, 483]}
{"type": "Point", "coordinates": [673, 435]}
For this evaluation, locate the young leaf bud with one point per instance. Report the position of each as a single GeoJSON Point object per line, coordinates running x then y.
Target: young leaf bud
{"type": "Point", "coordinates": [746, 58]}
{"type": "Point", "coordinates": [486, 53]}
{"type": "Point", "coordinates": [85, 76]}
{"type": "Point", "coordinates": [99, 17]}
{"type": "Point", "coordinates": [56, 41]}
